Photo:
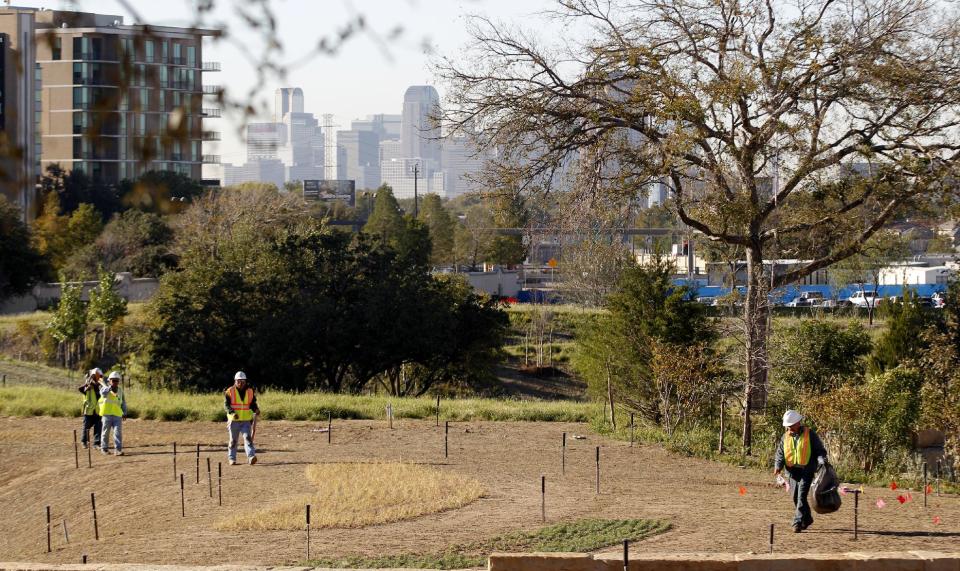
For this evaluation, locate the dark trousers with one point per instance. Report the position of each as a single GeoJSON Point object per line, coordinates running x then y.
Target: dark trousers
{"type": "Point", "coordinates": [91, 421]}
{"type": "Point", "coordinates": [800, 487]}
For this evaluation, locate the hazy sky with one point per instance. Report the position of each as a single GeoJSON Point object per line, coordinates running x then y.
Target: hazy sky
{"type": "Point", "coordinates": [360, 80]}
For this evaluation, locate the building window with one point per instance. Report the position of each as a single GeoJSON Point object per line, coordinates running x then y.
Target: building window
{"type": "Point", "coordinates": [164, 51]}
{"type": "Point", "coordinates": [177, 54]}
{"type": "Point", "coordinates": [162, 101]}
{"type": "Point", "coordinates": [192, 56]}
{"type": "Point", "coordinates": [148, 45]}
{"type": "Point", "coordinates": [127, 49]}
{"type": "Point", "coordinates": [57, 48]}
{"type": "Point", "coordinates": [145, 99]}
{"type": "Point", "coordinates": [163, 76]}
{"type": "Point", "coordinates": [141, 123]}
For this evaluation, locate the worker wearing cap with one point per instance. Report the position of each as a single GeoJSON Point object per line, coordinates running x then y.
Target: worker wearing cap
{"type": "Point", "coordinates": [801, 452]}
{"type": "Point", "coordinates": [240, 403]}
{"type": "Point", "coordinates": [90, 409]}
{"type": "Point", "coordinates": [113, 407]}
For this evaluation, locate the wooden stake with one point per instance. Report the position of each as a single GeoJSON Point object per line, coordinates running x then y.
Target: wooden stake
{"type": "Point", "coordinates": [626, 555]}
{"type": "Point", "coordinates": [722, 426]}
{"type": "Point", "coordinates": [66, 534]}
{"type": "Point", "coordinates": [209, 477]}
{"type": "Point", "coordinates": [924, 484]}
{"type": "Point", "coordinates": [96, 528]}
{"type": "Point", "coordinates": [198, 462]}
{"type": "Point", "coordinates": [939, 467]}
{"type": "Point", "coordinates": [174, 461]}
{"type": "Point", "coordinates": [446, 438]}
{"type": "Point", "coordinates": [76, 450]}
{"type": "Point", "coordinates": [543, 498]}
{"type": "Point", "coordinates": [90, 456]}
{"type": "Point", "coordinates": [390, 415]}
{"type": "Point", "coordinates": [598, 469]}
{"type": "Point", "coordinates": [631, 430]}
{"type": "Point", "coordinates": [308, 532]}
{"type": "Point", "coordinates": [48, 530]}
{"type": "Point", "coordinates": [219, 483]}
{"type": "Point", "coordinates": [329, 426]}
{"type": "Point", "coordinates": [563, 454]}
{"type": "Point", "coordinates": [83, 559]}
{"type": "Point", "coordinates": [856, 514]}
{"type": "Point", "coordinates": [771, 538]}
{"type": "Point", "coordinates": [438, 410]}
{"type": "Point", "coordinates": [183, 503]}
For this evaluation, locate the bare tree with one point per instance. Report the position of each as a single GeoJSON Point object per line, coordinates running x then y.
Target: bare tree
{"type": "Point", "coordinates": [749, 109]}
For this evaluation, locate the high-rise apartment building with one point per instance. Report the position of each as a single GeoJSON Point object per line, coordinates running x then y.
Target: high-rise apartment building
{"type": "Point", "coordinates": [18, 104]}
{"type": "Point", "coordinates": [117, 100]}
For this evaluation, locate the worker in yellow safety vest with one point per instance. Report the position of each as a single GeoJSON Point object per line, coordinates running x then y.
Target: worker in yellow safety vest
{"type": "Point", "coordinates": [800, 451]}
{"type": "Point", "coordinates": [113, 407]}
{"type": "Point", "coordinates": [240, 403]}
{"type": "Point", "coordinates": [90, 389]}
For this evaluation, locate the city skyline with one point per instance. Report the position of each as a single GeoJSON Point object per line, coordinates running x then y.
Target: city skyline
{"type": "Point", "coordinates": [370, 73]}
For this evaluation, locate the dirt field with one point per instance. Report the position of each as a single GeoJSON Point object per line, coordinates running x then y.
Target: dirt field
{"type": "Point", "coordinates": [138, 498]}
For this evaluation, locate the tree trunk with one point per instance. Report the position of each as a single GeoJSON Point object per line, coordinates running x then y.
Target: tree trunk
{"type": "Point", "coordinates": [756, 311]}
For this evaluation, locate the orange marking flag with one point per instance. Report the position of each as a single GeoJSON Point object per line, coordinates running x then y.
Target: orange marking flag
{"type": "Point", "coordinates": [743, 491]}
{"type": "Point", "coordinates": [893, 485]}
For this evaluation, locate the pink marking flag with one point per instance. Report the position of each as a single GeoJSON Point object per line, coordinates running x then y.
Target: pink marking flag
{"type": "Point", "coordinates": [881, 504]}
{"type": "Point", "coordinates": [936, 520]}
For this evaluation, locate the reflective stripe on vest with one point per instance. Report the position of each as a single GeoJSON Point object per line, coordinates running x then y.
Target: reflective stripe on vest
{"type": "Point", "coordinates": [110, 404]}
{"type": "Point", "coordinates": [241, 407]}
{"type": "Point", "coordinates": [796, 451]}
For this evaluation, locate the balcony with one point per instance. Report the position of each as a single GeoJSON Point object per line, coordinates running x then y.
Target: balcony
{"type": "Point", "coordinates": [211, 136]}
{"type": "Point", "coordinates": [211, 112]}
{"type": "Point", "coordinates": [211, 159]}
{"type": "Point", "coordinates": [211, 66]}
{"type": "Point", "coordinates": [212, 89]}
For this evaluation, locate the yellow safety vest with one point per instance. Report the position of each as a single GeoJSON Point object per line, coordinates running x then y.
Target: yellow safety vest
{"type": "Point", "coordinates": [91, 402]}
{"type": "Point", "coordinates": [241, 406]}
{"type": "Point", "coordinates": [110, 404]}
{"type": "Point", "coordinates": [796, 451]}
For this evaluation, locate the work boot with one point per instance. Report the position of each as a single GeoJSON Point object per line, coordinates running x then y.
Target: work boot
{"type": "Point", "coordinates": [85, 445]}
{"type": "Point", "coordinates": [252, 460]}
{"type": "Point", "coordinates": [118, 453]}
{"type": "Point", "coordinates": [797, 528]}
{"type": "Point", "coordinates": [232, 462]}
{"type": "Point", "coordinates": [104, 451]}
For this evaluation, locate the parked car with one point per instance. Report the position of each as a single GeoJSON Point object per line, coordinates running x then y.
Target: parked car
{"type": "Point", "coordinates": [864, 298]}
{"type": "Point", "coordinates": [807, 299]}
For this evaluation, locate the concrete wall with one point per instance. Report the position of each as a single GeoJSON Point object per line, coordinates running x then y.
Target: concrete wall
{"type": "Point", "coordinates": [895, 561]}
{"type": "Point", "coordinates": [503, 283]}
{"type": "Point", "coordinates": [47, 295]}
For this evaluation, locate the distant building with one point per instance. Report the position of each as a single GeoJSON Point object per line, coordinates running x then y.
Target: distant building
{"type": "Point", "coordinates": [399, 174]}
{"type": "Point", "coordinates": [359, 158]}
{"type": "Point", "coordinates": [389, 150]}
{"type": "Point", "coordinates": [387, 127]}
{"type": "Point", "coordinates": [262, 170]}
{"type": "Point", "coordinates": [461, 160]}
{"type": "Point", "coordinates": [420, 135]}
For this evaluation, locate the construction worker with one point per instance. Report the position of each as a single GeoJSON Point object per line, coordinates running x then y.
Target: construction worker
{"type": "Point", "coordinates": [91, 409]}
{"type": "Point", "coordinates": [240, 402]}
{"type": "Point", "coordinates": [801, 452]}
{"type": "Point", "coordinates": [113, 407]}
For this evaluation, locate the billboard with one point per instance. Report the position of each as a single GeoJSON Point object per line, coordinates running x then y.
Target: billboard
{"type": "Point", "coordinates": [330, 190]}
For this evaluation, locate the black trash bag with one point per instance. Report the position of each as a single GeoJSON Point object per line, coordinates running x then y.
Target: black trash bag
{"type": "Point", "coordinates": [826, 493]}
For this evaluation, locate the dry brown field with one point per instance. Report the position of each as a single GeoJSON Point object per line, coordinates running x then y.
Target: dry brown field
{"type": "Point", "coordinates": [139, 512]}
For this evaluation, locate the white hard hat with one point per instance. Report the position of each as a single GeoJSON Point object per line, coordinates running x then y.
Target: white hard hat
{"type": "Point", "coordinates": [114, 375]}
{"type": "Point", "coordinates": [240, 375]}
{"type": "Point", "coordinates": [96, 371]}
{"type": "Point", "coordinates": [791, 417]}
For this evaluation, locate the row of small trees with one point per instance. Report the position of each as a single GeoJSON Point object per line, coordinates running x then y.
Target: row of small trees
{"type": "Point", "coordinates": [81, 328]}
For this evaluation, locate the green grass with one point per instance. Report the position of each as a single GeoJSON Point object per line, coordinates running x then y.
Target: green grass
{"type": "Point", "coordinates": [276, 405]}
{"type": "Point", "coordinates": [581, 536]}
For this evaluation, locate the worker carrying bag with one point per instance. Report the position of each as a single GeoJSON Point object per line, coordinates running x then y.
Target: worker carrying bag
{"type": "Point", "coordinates": [826, 494]}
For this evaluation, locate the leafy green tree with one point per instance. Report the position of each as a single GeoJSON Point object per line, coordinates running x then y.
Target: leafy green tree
{"type": "Point", "coordinates": [21, 265]}
{"type": "Point", "coordinates": [386, 220]}
{"type": "Point", "coordinates": [615, 353]}
{"type": "Point", "coordinates": [75, 187]}
{"type": "Point", "coordinates": [441, 226]}
{"type": "Point", "coordinates": [474, 237]}
{"type": "Point", "coordinates": [509, 211]}
{"type": "Point", "coordinates": [106, 306]}
{"type": "Point", "coordinates": [160, 192]}
{"type": "Point", "coordinates": [58, 236]}
{"type": "Point", "coordinates": [69, 322]}
{"type": "Point", "coordinates": [818, 356]}
{"type": "Point", "coordinates": [903, 341]}
{"type": "Point", "coordinates": [133, 241]}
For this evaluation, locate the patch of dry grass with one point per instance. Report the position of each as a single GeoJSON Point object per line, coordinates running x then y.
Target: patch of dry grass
{"type": "Point", "coordinates": [362, 494]}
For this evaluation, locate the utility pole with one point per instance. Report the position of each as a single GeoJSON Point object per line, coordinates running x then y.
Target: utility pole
{"type": "Point", "coordinates": [416, 172]}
